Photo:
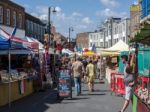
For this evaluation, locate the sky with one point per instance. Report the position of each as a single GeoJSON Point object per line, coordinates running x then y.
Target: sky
{"type": "Point", "coordinates": [82, 15]}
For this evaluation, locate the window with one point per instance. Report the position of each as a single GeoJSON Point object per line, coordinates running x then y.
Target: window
{"type": "Point", "coordinates": [20, 20]}
{"type": "Point", "coordinates": [91, 44]}
{"type": "Point", "coordinates": [8, 16]}
{"type": "Point", "coordinates": [1, 14]}
{"type": "Point", "coordinates": [31, 24]}
{"type": "Point", "coordinates": [27, 25]}
{"type": "Point", "coordinates": [124, 39]}
{"type": "Point", "coordinates": [14, 19]}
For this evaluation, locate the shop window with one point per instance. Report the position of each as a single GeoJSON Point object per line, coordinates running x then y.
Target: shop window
{"type": "Point", "coordinates": [20, 20]}
{"type": "Point", "coordinates": [1, 14]}
{"type": "Point", "coordinates": [14, 19]}
{"type": "Point", "coordinates": [8, 16]}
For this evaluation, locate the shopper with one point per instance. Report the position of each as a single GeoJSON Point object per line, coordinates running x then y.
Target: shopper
{"type": "Point", "coordinates": [90, 70]}
{"type": "Point", "coordinates": [99, 76]}
{"type": "Point", "coordinates": [77, 71]}
{"type": "Point", "coordinates": [129, 82]}
{"type": "Point", "coordinates": [84, 62]}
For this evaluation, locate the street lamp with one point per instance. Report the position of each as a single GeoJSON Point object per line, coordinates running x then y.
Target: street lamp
{"type": "Point", "coordinates": [53, 10]}
{"type": "Point", "coordinates": [70, 30]}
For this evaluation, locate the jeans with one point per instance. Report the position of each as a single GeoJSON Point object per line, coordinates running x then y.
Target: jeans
{"type": "Point", "coordinates": [77, 81]}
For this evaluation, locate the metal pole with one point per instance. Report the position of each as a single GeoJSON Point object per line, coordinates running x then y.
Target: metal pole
{"type": "Point", "coordinates": [104, 38]}
{"type": "Point", "coordinates": [49, 25]}
{"type": "Point", "coordinates": [69, 37]}
{"type": "Point", "coordinates": [9, 60]}
{"type": "Point", "coordinates": [111, 22]}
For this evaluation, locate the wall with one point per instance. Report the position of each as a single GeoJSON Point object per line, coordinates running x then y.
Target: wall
{"type": "Point", "coordinates": [82, 40]}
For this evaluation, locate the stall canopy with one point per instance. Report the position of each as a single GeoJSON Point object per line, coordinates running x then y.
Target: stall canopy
{"type": "Point", "coordinates": [4, 42]}
{"type": "Point", "coordinates": [118, 47]}
{"type": "Point", "coordinates": [115, 50]}
{"type": "Point", "coordinates": [89, 53]}
{"type": "Point", "coordinates": [67, 51]}
{"type": "Point", "coordinates": [16, 43]}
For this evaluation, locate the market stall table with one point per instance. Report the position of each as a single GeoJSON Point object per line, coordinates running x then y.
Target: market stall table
{"type": "Point", "coordinates": [16, 92]}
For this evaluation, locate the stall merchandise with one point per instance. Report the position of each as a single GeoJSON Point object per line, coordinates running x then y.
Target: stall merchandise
{"type": "Point", "coordinates": [142, 89]}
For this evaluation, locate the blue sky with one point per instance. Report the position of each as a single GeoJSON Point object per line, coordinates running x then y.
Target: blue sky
{"type": "Point", "coordinates": [83, 15]}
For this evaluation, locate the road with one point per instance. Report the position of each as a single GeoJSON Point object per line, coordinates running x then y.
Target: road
{"type": "Point", "coordinates": [99, 101]}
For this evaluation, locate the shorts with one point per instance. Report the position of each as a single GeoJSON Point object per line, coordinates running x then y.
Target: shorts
{"type": "Point", "coordinates": [91, 79]}
{"type": "Point", "coordinates": [128, 93]}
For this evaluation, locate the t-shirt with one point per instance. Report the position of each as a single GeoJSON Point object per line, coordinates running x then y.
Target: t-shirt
{"type": "Point", "coordinates": [127, 77]}
{"type": "Point", "coordinates": [90, 69]}
{"type": "Point", "coordinates": [77, 68]}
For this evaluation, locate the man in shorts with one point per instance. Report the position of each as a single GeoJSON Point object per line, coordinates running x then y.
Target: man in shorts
{"type": "Point", "coordinates": [90, 70]}
{"type": "Point", "coordinates": [129, 82]}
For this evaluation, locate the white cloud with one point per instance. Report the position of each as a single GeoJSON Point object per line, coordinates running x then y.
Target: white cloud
{"type": "Point", "coordinates": [58, 9]}
{"type": "Point", "coordinates": [87, 20]}
{"type": "Point", "coordinates": [42, 12]}
{"type": "Point", "coordinates": [63, 21]}
{"type": "Point", "coordinates": [35, 14]}
{"type": "Point", "coordinates": [42, 9]}
{"type": "Point", "coordinates": [76, 14]}
{"type": "Point", "coordinates": [110, 3]}
{"type": "Point", "coordinates": [110, 13]}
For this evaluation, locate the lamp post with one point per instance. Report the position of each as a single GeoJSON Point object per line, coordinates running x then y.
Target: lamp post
{"type": "Point", "coordinates": [51, 10]}
{"type": "Point", "coordinates": [70, 30]}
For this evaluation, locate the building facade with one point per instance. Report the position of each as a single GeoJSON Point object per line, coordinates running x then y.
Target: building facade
{"type": "Point", "coordinates": [122, 31]}
{"type": "Point", "coordinates": [97, 39]}
{"type": "Point", "coordinates": [115, 29]}
{"type": "Point", "coordinates": [12, 15]}
{"type": "Point", "coordinates": [145, 9]}
{"type": "Point", "coordinates": [135, 16]}
{"type": "Point", "coordinates": [82, 40]}
{"type": "Point", "coordinates": [34, 27]}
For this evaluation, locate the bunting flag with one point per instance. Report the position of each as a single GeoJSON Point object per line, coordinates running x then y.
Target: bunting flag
{"type": "Point", "coordinates": [94, 48]}
{"type": "Point", "coordinates": [21, 85]}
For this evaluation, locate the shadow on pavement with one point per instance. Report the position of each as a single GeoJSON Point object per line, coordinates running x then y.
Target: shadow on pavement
{"type": "Point", "coordinates": [37, 102]}
{"type": "Point", "coordinates": [79, 98]}
{"type": "Point", "coordinates": [97, 94]}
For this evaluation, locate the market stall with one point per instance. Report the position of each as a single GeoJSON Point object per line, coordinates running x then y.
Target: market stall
{"type": "Point", "coordinates": [141, 41]}
{"type": "Point", "coordinates": [112, 55]}
{"type": "Point", "coordinates": [16, 70]}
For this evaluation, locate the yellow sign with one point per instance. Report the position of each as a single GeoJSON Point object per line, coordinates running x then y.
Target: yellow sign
{"type": "Point", "coordinates": [135, 8]}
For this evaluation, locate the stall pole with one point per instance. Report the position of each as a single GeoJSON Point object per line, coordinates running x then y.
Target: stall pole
{"type": "Point", "coordinates": [9, 63]}
{"type": "Point", "coordinates": [9, 60]}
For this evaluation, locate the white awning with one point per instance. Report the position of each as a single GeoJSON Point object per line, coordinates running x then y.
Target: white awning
{"type": "Point", "coordinates": [118, 47]}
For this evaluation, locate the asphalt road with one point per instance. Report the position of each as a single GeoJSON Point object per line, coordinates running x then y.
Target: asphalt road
{"type": "Point", "coordinates": [99, 101]}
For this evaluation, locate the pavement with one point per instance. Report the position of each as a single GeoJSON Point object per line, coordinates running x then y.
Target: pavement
{"type": "Point", "coordinates": [99, 101]}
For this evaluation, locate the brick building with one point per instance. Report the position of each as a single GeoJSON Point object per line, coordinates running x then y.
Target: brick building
{"type": "Point", "coordinates": [11, 15]}
{"type": "Point", "coordinates": [82, 40]}
{"type": "Point", "coordinates": [34, 27]}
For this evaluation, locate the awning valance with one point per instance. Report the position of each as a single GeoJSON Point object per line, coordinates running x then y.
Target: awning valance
{"type": "Point", "coordinates": [143, 35]}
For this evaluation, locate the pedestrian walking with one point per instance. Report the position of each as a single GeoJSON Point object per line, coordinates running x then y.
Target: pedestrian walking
{"type": "Point", "coordinates": [77, 71]}
{"type": "Point", "coordinates": [90, 71]}
{"type": "Point", "coordinates": [84, 62]}
{"type": "Point", "coordinates": [129, 82]}
{"type": "Point", "coordinates": [99, 76]}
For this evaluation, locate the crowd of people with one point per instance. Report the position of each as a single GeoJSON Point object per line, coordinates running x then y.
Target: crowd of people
{"type": "Point", "coordinates": [85, 69]}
